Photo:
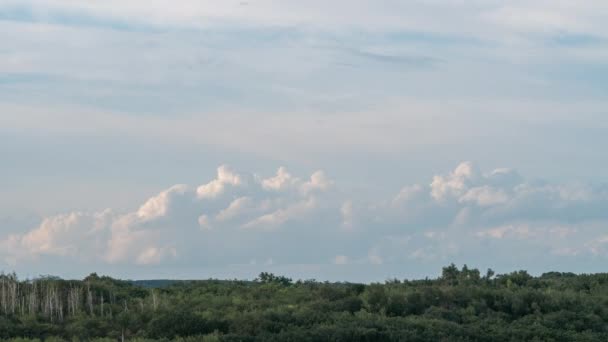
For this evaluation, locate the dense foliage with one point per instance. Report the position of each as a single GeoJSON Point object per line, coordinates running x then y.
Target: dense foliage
{"type": "Point", "coordinates": [461, 305]}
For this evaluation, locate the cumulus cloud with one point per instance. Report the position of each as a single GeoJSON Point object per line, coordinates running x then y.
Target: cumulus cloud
{"type": "Point", "coordinates": [160, 205]}
{"type": "Point", "coordinates": [454, 183]}
{"type": "Point", "coordinates": [225, 177]}
{"type": "Point", "coordinates": [465, 211]}
{"type": "Point", "coordinates": [236, 208]}
{"type": "Point", "coordinates": [67, 235]}
{"type": "Point", "coordinates": [283, 180]}
{"type": "Point", "coordinates": [174, 219]}
{"type": "Point", "coordinates": [271, 221]}
{"type": "Point", "coordinates": [467, 196]}
{"type": "Point", "coordinates": [462, 214]}
{"type": "Point", "coordinates": [485, 196]}
{"type": "Point", "coordinates": [318, 182]}
{"type": "Point", "coordinates": [154, 255]}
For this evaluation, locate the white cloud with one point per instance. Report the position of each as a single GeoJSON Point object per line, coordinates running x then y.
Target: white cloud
{"type": "Point", "coordinates": [407, 194]}
{"type": "Point", "coordinates": [471, 214]}
{"type": "Point", "coordinates": [67, 235]}
{"type": "Point", "coordinates": [216, 187]}
{"type": "Point", "coordinates": [485, 196]}
{"type": "Point", "coordinates": [236, 208]}
{"type": "Point", "coordinates": [455, 183]}
{"type": "Point", "coordinates": [159, 205]}
{"type": "Point", "coordinates": [503, 177]}
{"type": "Point", "coordinates": [154, 255]}
{"type": "Point", "coordinates": [285, 181]}
{"type": "Point", "coordinates": [282, 181]}
{"type": "Point", "coordinates": [174, 219]}
{"type": "Point", "coordinates": [277, 218]}
{"type": "Point", "coordinates": [318, 182]}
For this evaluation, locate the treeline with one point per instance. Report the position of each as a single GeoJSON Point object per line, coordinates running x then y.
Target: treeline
{"type": "Point", "coordinates": [55, 300]}
{"type": "Point", "coordinates": [460, 305]}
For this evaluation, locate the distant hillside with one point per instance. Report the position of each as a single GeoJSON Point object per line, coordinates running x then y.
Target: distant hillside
{"type": "Point", "coordinates": [155, 283]}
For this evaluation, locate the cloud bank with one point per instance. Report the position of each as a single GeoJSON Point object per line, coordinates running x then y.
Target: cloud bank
{"type": "Point", "coordinates": [240, 218]}
{"type": "Point", "coordinates": [163, 226]}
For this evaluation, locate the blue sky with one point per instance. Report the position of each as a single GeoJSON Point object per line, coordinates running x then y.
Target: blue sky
{"type": "Point", "coordinates": [349, 140]}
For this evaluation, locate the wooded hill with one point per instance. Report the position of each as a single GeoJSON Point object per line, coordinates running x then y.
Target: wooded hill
{"type": "Point", "coordinates": [460, 305]}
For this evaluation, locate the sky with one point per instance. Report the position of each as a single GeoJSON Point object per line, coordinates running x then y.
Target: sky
{"type": "Point", "coordinates": [337, 140]}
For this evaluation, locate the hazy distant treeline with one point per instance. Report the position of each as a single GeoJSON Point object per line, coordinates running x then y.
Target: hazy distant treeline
{"type": "Point", "coordinates": [460, 305]}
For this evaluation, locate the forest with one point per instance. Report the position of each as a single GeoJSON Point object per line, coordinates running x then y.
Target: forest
{"type": "Point", "coordinates": [460, 305]}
